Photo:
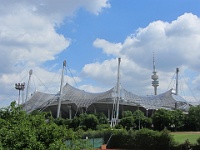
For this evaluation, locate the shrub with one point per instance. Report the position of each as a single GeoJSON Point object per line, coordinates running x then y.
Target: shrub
{"type": "Point", "coordinates": [146, 138]}
{"type": "Point", "coordinates": [165, 140]}
{"type": "Point", "coordinates": [143, 139]}
{"type": "Point", "coordinates": [118, 138]}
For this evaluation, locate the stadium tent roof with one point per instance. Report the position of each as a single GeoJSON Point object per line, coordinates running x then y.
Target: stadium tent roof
{"type": "Point", "coordinates": [81, 98]}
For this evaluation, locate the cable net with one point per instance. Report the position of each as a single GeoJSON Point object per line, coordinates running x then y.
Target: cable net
{"type": "Point", "coordinates": [82, 98]}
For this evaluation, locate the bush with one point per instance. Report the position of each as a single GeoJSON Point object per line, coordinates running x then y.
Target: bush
{"type": "Point", "coordinates": [146, 138]}
{"type": "Point", "coordinates": [165, 140]}
{"type": "Point", "coordinates": [143, 139]}
{"type": "Point", "coordinates": [117, 139]}
{"type": "Point", "coordinates": [103, 126]}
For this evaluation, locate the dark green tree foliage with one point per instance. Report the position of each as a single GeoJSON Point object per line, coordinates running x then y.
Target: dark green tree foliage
{"type": "Point", "coordinates": [140, 139]}
{"type": "Point", "coordinates": [85, 122]}
{"type": "Point", "coordinates": [19, 130]}
{"type": "Point", "coordinates": [139, 118]}
{"type": "Point", "coordinates": [146, 138]}
{"type": "Point", "coordinates": [127, 122]}
{"type": "Point", "coordinates": [198, 142]}
{"type": "Point", "coordinates": [127, 113]}
{"type": "Point", "coordinates": [177, 120]}
{"type": "Point", "coordinates": [162, 119]}
{"type": "Point", "coordinates": [172, 120]}
{"type": "Point", "coordinates": [75, 123]}
{"type": "Point", "coordinates": [146, 123]}
{"type": "Point", "coordinates": [61, 121]}
{"type": "Point", "coordinates": [103, 126]}
{"type": "Point", "coordinates": [77, 141]}
{"type": "Point", "coordinates": [193, 118]}
{"type": "Point", "coordinates": [90, 121]}
{"type": "Point", "coordinates": [116, 138]}
{"type": "Point", "coordinates": [102, 118]}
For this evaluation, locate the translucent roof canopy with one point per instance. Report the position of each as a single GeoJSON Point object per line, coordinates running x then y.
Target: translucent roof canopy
{"type": "Point", "coordinates": [82, 98]}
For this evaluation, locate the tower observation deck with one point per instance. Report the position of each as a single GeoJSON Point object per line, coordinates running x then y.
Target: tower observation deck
{"type": "Point", "coordinates": [154, 77]}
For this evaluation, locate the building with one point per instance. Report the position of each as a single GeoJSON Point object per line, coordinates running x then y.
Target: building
{"type": "Point", "coordinates": [71, 101]}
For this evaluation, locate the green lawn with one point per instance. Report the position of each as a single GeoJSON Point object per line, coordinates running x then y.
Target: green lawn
{"type": "Point", "coordinates": [181, 137]}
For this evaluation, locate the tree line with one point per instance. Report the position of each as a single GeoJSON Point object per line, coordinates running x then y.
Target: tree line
{"type": "Point", "coordinates": [172, 120]}
{"type": "Point", "coordinates": [39, 130]}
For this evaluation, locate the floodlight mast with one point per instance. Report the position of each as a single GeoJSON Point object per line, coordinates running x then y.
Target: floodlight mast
{"type": "Point", "coordinates": [61, 86]}
{"type": "Point", "coordinates": [20, 87]}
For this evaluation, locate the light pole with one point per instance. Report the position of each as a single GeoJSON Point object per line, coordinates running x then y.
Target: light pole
{"type": "Point", "coordinates": [20, 87]}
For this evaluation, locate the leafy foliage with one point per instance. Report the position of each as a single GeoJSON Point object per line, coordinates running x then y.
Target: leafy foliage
{"type": "Point", "coordinates": [127, 122]}
{"type": "Point", "coordinates": [85, 122]}
{"type": "Point", "coordinates": [19, 130]}
{"type": "Point", "coordinates": [141, 121]}
{"type": "Point", "coordinates": [127, 113]}
{"type": "Point", "coordinates": [102, 118]}
{"type": "Point", "coordinates": [172, 120]}
{"type": "Point", "coordinates": [140, 139]}
{"type": "Point", "coordinates": [193, 118]}
{"type": "Point", "coordinates": [90, 121]}
{"type": "Point", "coordinates": [161, 119]}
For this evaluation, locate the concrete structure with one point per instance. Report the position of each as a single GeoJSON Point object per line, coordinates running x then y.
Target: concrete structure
{"type": "Point", "coordinates": [155, 82]}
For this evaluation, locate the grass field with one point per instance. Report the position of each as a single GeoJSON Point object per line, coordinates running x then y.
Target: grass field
{"type": "Point", "coordinates": [181, 137]}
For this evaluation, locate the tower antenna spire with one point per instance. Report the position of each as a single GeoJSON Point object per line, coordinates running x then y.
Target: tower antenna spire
{"type": "Point", "coordinates": [154, 77]}
{"type": "Point", "coordinates": [154, 67]}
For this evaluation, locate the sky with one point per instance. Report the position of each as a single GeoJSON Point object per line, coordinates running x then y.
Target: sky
{"type": "Point", "coordinates": [91, 35]}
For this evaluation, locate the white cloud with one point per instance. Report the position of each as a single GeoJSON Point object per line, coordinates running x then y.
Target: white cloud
{"type": "Point", "coordinates": [95, 6]}
{"type": "Point", "coordinates": [104, 72]}
{"type": "Point", "coordinates": [108, 48]}
{"type": "Point", "coordinates": [28, 36]}
{"type": "Point", "coordinates": [41, 80]}
{"type": "Point", "coordinates": [178, 40]}
{"type": "Point", "coordinates": [54, 11]}
{"type": "Point", "coordinates": [27, 39]}
{"type": "Point", "coordinates": [92, 89]}
{"type": "Point", "coordinates": [176, 44]}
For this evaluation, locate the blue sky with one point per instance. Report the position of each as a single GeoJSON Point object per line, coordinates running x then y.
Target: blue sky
{"type": "Point", "coordinates": [90, 35]}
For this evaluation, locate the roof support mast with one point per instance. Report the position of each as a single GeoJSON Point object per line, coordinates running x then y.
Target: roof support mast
{"type": "Point", "coordinates": [115, 111]}
{"type": "Point", "coordinates": [177, 71]}
{"type": "Point", "coordinates": [61, 86]}
{"type": "Point", "coordinates": [118, 89]}
{"type": "Point", "coordinates": [27, 90]}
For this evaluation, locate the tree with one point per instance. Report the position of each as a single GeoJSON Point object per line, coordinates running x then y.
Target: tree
{"type": "Point", "coordinates": [19, 130]}
{"type": "Point", "coordinates": [90, 121]}
{"type": "Point", "coordinates": [75, 123]}
{"type": "Point", "coordinates": [141, 121]}
{"type": "Point", "coordinates": [194, 117]}
{"type": "Point", "coordinates": [177, 119]}
{"type": "Point", "coordinates": [61, 121]}
{"type": "Point", "coordinates": [162, 119]}
{"type": "Point", "coordinates": [127, 113]}
{"type": "Point", "coordinates": [85, 122]}
{"type": "Point", "coordinates": [102, 118]}
{"type": "Point", "coordinates": [127, 122]}
{"type": "Point", "coordinates": [146, 122]}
